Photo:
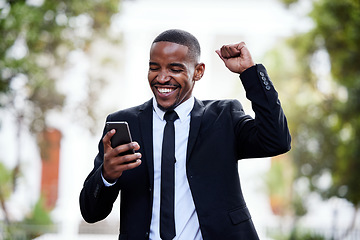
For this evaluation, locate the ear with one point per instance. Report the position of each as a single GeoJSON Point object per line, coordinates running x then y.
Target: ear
{"type": "Point", "coordinates": [199, 71]}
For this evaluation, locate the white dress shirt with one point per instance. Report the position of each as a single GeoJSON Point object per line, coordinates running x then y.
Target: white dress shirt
{"type": "Point", "coordinates": [186, 219]}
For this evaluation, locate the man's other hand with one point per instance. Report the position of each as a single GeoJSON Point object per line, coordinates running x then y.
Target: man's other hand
{"type": "Point", "coordinates": [236, 57]}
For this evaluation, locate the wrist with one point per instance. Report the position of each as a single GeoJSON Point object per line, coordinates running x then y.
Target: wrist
{"type": "Point", "coordinates": [108, 182]}
{"type": "Point", "coordinates": [107, 178]}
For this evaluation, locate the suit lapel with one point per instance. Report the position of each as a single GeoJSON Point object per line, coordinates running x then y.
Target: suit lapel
{"type": "Point", "coordinates": [195, 122]}
{"type": "Point", "coordinates": [146, 131]}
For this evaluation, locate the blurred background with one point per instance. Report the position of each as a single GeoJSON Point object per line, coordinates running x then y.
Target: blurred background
{"type": "Point", "coordinates": [65, 65]}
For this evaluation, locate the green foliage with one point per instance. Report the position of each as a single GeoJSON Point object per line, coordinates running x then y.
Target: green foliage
{"type": "Point", "coordinates": [338, 23]}
{"type": "Point", "coordinates": [304, 235]}
{"type": "Point", "coordinates": [36, 223]}
{"type": "Point", "coordinates": [36, 41]}
{"type": "Point", "coordinates": [39, 215]}
{"type": "Point", "coordinates": [279, 180]}
{"type": "Point", "coordinates": [326, 129]}
{"type": "Point", "coordinates": [296, 234]}
{"type": "Point", "coordinates": [289, 2]}
{"type": "Point", "coordinates": [5, 182]}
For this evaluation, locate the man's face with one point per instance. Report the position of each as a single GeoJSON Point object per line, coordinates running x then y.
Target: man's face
{"type": "Point", "coordinates": [172, 74]}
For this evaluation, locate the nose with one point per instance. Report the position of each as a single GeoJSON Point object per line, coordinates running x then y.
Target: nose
{"type": "Point", "coordinates": [163, 77]}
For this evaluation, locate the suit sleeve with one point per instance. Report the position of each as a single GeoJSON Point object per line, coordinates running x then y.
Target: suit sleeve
{"type": "Point", "coordinates": [96, 200]}
{"type": "Point", "coordinates": [267, 134]}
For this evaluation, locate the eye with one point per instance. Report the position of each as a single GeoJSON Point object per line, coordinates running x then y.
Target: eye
{"type": "Point", "coordinates": [176, 70]}
{"type": "Point", "coordinates": [177, 67]}
{"type": "Point", "coordinates": [153, 67]}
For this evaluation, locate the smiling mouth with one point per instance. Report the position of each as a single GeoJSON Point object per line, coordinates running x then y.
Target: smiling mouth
{"type": "Point", "coordinates": [165, 90]}
{"type": "Point", "coordinates": [168, 89]}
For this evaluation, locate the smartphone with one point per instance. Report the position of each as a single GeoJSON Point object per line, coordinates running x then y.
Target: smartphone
{"type": "Point", "coordinates": [122, 135]}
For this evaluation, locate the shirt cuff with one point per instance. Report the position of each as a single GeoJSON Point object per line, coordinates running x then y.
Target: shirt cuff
{"type": "Point", "coordinates": [106, 183]}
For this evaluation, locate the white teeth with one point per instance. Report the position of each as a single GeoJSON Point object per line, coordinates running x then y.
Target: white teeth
{"type": "Point", "coordinates": [165, 90]}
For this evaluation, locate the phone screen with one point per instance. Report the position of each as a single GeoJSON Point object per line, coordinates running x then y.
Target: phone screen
{"type": "Point", "coordinates": [122, 135]}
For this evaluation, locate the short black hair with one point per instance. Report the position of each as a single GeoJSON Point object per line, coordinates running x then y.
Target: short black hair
{"type": "Point", "coordinates": [183, 38]}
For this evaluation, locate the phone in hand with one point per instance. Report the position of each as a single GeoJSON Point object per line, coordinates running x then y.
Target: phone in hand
{"type": "Point", "coordinates": [121, 136]}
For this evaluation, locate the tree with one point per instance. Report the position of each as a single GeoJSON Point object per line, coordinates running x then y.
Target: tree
{"type": "Point", "coordinates": [36, 42]}
{"type": "Point", "coordinates": [326, 130]}
{"type": "Point", "coordinates": [283, 183]}
{"type": "Point", "coordinates": [37, 38]}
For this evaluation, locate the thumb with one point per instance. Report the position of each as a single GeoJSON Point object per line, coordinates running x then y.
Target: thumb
{"type": "Point", "coordinates": [106, 139]}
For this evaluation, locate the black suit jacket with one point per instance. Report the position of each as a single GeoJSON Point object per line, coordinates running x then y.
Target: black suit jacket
{"type": "Point", "coordinates": [220, 135]}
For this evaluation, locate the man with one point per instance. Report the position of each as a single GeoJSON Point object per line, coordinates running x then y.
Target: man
{"type": "Point", "coordinates": [210, 137]}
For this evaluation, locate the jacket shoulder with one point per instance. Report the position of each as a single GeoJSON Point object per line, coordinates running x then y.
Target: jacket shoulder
{"type": "Point", "coordinates": [221, 105]}
{"type": "Point", "coordinates": [129, 113]}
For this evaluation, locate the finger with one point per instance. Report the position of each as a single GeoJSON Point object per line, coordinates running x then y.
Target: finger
{"type": "Point", "coordinates": [225, 52]}
{"type": "Point", "coordinates": [229, 51]}
{"type": "Point", "coordinates": [245, 51]}
{"type": "Point", "coordinates": [219, 53]}
{"type": "Point", "coordinates": [234, 51]}
{"type": "Point", "coordinates": [240, 45]}
{"type": "Point", "coordinates": [128, 166]}
{"type": "Point", "coordinates": [106, 140]}
{"type": "Point", "coordinates": [126, 147]}
{"type": "Point", "coordinates": [135, 146]}
{"type": "Point", "coordinates": [113, 159]}
{"type": "Point", "coordinates": [116, 170]}
{"type": "Point", "coordinates": [129, 158]}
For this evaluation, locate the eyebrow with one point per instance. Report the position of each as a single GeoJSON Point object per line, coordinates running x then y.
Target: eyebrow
{"type": "Point", "coordinates": [177, 65]}
{"type": "Point", "coordinates": [153, 63]}
{"type": "Point", "coordinates": [171, 64]}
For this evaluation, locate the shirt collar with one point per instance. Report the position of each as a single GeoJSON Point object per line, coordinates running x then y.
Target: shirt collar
{"type": "Point", "coordinates": [183, 110]}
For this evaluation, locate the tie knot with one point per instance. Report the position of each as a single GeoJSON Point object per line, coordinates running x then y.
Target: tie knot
{"type": "Point", "coordinates": [171, 116]}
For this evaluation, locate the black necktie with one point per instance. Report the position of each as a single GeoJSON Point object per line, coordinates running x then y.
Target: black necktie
{"type": "Point", "coordinates": [167, 195]}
